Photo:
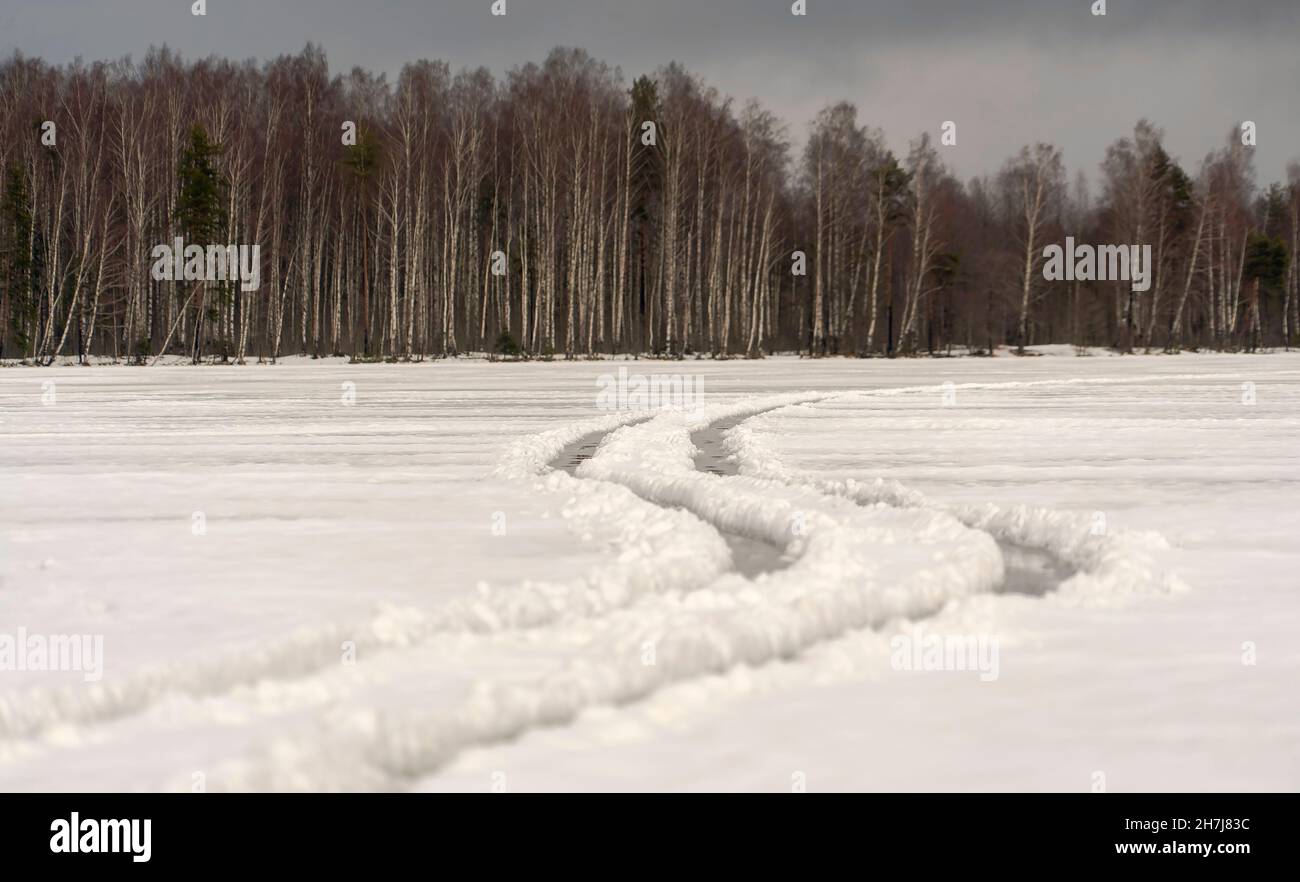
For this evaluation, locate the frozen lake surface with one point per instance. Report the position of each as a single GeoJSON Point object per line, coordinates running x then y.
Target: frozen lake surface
{"type": "Point", "coordinates": [1050, 573]}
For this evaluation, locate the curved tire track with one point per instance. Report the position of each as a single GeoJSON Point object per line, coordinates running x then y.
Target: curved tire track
{"type": "Point", "coordinates": [373, 747]}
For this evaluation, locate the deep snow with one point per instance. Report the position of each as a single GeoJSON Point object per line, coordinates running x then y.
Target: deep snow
{"type": "Point", "coordinates": [228, 531]}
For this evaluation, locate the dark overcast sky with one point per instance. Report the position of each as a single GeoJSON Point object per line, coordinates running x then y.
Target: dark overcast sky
{"type": "Point", "coordinates": [1007, 71]}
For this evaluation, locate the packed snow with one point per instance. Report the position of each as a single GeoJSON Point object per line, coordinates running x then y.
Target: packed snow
{"type": "Point", "coordinates": [465, 575]}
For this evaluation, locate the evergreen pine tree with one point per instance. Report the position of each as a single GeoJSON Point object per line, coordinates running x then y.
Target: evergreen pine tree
{"type": "Point", "coordinates": [201, 210]}
{"type": "Point", "coordinates": [15, 244]}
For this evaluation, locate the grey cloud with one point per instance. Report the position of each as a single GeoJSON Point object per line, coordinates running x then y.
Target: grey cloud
{"type": "Point", "coordinates": [1008, 71]}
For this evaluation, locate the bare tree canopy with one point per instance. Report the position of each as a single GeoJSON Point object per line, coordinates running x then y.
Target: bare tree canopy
{"type": "Point", "coordinates": [567, 212]}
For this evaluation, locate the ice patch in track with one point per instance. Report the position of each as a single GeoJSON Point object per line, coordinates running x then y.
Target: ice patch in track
{"type": "Point", "coordinates": [1031, 571]}
{"type": "Point", "coordinates": [712, 455]}
{"type": "Point", "coordinates": [578, 452]}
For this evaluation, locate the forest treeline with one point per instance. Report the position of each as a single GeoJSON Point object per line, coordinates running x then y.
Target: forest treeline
{"type": "Point", "coordinates": [564, 212]}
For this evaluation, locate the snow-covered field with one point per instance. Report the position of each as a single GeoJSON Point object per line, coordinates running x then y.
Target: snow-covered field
{"type": "Point", "coordinates": [318, 575]}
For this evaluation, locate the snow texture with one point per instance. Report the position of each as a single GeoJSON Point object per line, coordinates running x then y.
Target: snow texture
{"type": "Point", "coordinates": [399, 591]}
